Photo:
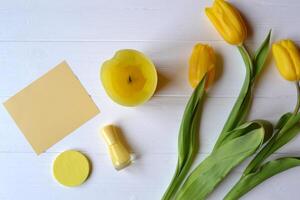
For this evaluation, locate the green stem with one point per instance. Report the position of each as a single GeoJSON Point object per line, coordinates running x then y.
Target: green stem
{"type": "Point", "coordinates": [247, 59]}
{"type": "Point", "coordinates": [187, 139]}
{"type": "Point", "coordinates": [178, 179]}
{"type": "Point", "coordinates": [242, 104]}
{"type": "Point", "coordinates": [271, 146]}
{"type": "Point", "coordinates": [253, 174]}
{"type": "Point", "coordinates": [176, 183]}
{"type": "Point", "coordinates": [296, 110]}
{"type": "Point", "coordinates": [261, 156]}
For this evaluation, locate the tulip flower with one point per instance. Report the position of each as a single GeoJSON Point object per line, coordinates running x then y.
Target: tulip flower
{"type": "Point", "coordinates": [213, 170]}
{"type": "Point", "coordinates": [228, 22]}
{"type": "Point", "coordinates": [236, 141]}
{"type": "Point", "coordinates": [287, 58]}
{"type": "Point", "coordinates": [202, 61]}
{"type": "Point", "coordinates": [201, 75]}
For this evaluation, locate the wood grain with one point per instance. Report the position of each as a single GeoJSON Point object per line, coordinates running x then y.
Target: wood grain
{"type": "Point", "coordinates": [37, 35]}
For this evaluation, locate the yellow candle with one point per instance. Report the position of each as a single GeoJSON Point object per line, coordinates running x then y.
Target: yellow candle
{"type": "Point", "coordinates": [129, 78]}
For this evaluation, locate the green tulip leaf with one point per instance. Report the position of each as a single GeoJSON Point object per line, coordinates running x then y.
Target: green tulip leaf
{"type": "Point", "coordinates": [271, 168]}
{"type": "Point", "coordinates": [187, 139]}
{"type": "Point", "coordinates": [237, 141]}
{"type": "Point", "coordinates": [290, 123]}
{"type": "Point", "coordinates": [218, 164]}
{"type": "Point", "coordinates": [243, 102]}
{"type": "Point", "coordinates": [266, 150]}
{"type": "Point", "coordinates": [283, 119]}
{"type": "Point", "coordinates": [260, 156]}
{"type": "Point", "coordinates": [286, 137]}
{"type": "Point", "coordinates": [249, 126]}
{"type": "Point", "coordinates": [288, 127]}
{"type": "Point", "coordinates": [186, 124]}
{"type": "Point", "coordinates": [262, 54]}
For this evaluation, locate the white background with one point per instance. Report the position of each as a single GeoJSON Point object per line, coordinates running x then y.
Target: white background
{"type": "Point", "coordinates": [37, 35]}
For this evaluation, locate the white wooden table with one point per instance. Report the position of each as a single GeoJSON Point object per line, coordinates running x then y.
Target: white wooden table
{"type": "Point", "coordinates": [36, 35]}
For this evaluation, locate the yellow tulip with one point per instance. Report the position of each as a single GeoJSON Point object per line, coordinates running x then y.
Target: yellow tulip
{"type": "Point", "coordinates": [287, 58]}
{"type": "Point", "coordinates": [202, 61]}
{"type": "Point", "coordinates": [228, 22]}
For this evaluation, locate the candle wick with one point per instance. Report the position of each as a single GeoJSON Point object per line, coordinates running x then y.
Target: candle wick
{"type": "Point", "coordinates": [129, 79]}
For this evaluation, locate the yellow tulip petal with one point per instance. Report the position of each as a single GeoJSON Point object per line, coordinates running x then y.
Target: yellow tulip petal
{"type": "Point", "coordinates": [202, 61]}
{"type": "Point", "coordinates": [228, 18]}
{"type": "Point", "coordinates": [295, 56]}
{"type": "Point", "coordinates": [196, 73]}
{"type": "Point", "coordinates": [216, 18]}
{"type": "Point", "coordinates": [227, 21]}
{"type": "Point", "coordinates": [234, 18]}
{"type": "Point", "coordinates": [212, 58]}
{"type": "Point", "coordinates": [198, 68]}
{"type": "Point", "coordinates": [210, 78]}
{"type": "Point", "coordinates": [284, 63]}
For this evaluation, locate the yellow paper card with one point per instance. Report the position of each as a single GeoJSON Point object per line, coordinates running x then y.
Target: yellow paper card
{"type": "Point", "coordinates": [51, 107]}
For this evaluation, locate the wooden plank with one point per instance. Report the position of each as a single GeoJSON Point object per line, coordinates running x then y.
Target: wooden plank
{"type": "Point", "coordinates": [27, 176]}
{"type": "Point", "coordinates": [35, 36]}
{"type": "Point", "coordinates": [72, 20]}
{"type": "Point", "coordinates": [151, 128]}
{"type": "Point", "coordinates": [23, 62]}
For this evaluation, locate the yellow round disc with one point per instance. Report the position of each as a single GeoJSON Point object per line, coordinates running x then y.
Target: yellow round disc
{"type": "Point", "coordinates": [71, 168]}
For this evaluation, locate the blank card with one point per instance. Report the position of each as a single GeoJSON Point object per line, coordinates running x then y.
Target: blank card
{"type": "Point", "coordinates": [51, 107]}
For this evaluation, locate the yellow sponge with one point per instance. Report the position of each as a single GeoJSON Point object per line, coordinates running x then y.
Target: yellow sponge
{"type": "Point", "coordinates": [71, 168]}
